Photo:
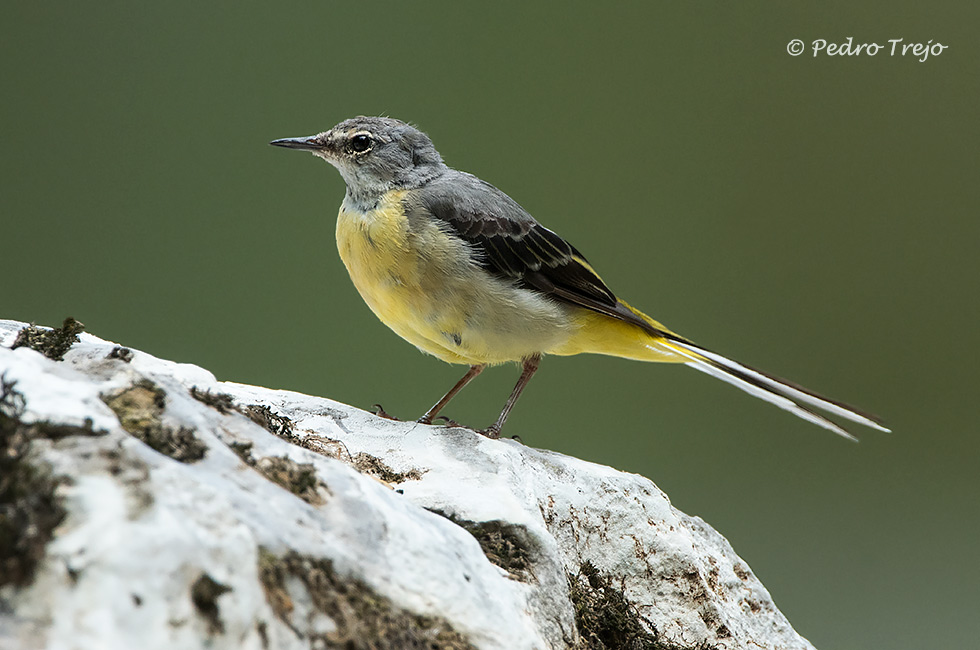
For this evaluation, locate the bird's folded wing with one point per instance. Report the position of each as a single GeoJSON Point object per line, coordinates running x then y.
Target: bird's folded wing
{"type": "Point", "coordinates": [511, 245]}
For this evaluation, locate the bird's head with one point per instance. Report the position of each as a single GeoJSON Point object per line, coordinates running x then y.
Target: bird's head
{"type": "Point", "coordinates": [374, 154]}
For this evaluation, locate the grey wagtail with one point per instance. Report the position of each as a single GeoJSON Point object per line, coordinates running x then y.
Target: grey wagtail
{"type": "Point", "coordinates": [458, 269]}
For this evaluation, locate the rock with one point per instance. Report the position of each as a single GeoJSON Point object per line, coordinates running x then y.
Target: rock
{"type": "Point", "coordinates": [148, 505]}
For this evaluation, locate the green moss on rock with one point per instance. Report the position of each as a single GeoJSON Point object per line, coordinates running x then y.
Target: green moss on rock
{"type": "Point", "coordinates": [605, 619]}
{"type": "Point", "coordinates": [364, 619]}
{"type": "Point", "coordinates": [30, 509]}
{"type": "Point", "coordinates": [221, 402]}
{"type": "Point", "coordinates": [52, 343]}
{"type": "Point", "coordinates": [140, 410]}
{"type": "Point", "coordinates": [204, 594]}
{"type": "Point", "coordinates": [507, 545]}
{"type": "Point", "coordinates": [299, 478]}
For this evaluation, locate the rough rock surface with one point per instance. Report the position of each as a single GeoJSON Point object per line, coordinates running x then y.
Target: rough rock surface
{"type": "Point", "coordinates": [143, 504]}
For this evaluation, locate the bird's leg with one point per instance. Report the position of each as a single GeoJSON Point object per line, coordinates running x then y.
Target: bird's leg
{"type": "Point", "coordinates": [434, 411]}
{"type": "Point", "coordinates": [530, 365]}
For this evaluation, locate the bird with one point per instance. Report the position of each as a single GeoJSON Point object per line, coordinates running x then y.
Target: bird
{"type": "Point", "coordinates": [460, 270]}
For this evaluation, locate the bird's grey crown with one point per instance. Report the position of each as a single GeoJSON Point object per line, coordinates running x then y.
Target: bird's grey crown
{"type": "Point", "coordinates": [390, 130]}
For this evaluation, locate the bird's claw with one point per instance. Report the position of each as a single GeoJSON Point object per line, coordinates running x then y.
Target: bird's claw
{"type": "Point", "coordinates": [490, 432]}
{"type": "Point", "coordinates": [381, 413]}
{"type": "Point", "coordinates": [449, 422]}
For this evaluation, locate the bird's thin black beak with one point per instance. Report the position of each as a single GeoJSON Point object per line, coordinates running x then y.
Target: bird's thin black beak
{"type": "Point", "coordinates": [308, 143]}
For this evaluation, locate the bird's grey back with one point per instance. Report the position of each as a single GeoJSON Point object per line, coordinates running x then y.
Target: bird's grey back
{"type": "Point", "coordinates": [473, 205]}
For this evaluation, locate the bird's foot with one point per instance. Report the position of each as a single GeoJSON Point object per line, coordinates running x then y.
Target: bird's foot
{"type": "Point", "coordinates": [450, 422]}
{"type": "Point", "coordinates": [492, 432]}
{"type": "Point", "coordinates": [381, 413]}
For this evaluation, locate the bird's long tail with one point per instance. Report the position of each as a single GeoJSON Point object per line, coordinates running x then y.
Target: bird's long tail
{"type": "Point", "coordinates": [629, 333]}
{"type": "Point", "coordinates": [784, 394]}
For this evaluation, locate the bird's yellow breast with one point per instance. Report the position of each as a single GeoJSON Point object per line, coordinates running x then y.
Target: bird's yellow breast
{"type": "Point", "coordinates": [425, 284]}
{"type": "Point", "coordinates": [377, 249]}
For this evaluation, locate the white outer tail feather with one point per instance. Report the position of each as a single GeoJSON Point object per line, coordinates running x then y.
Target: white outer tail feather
{"type": "Point", "coordinates": [773, 391]}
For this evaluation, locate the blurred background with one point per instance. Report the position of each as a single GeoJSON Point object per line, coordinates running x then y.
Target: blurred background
{"type": "Point", "coordinates": [815, 217]}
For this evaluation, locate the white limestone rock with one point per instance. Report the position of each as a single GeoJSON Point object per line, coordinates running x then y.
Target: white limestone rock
{"type": "Point", "coordinates": [329, 524]}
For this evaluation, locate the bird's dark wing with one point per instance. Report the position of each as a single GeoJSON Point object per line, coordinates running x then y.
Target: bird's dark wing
{"type": "Point", "coordinates": [513, 246]}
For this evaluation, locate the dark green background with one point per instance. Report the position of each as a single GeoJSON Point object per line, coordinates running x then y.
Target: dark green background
{"type": "Point", "coordinates": [814, 217]}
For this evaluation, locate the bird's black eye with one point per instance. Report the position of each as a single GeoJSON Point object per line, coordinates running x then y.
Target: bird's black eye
{"type": "Point", "coordinates": [360, 143]}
